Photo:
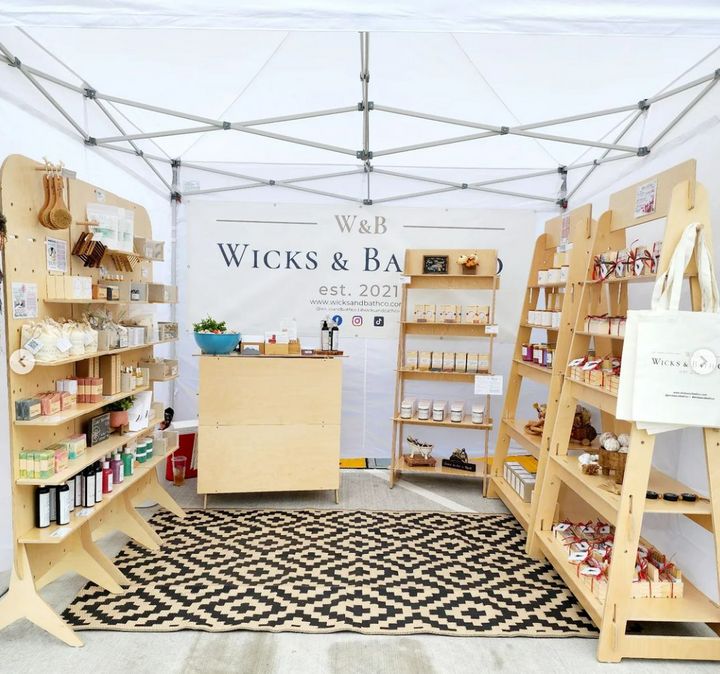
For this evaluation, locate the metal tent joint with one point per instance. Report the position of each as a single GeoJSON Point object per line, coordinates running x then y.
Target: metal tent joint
{"type": "Point", "coordinates": [91, 140]}
{"type": "Point", "coordinates": [364, 155]}
{"type": "Point", "coordinates": [563, 203]}
{"type": "Point", "coordinates": [643, 151]}
{"type": "Point", "coordinates": [504, 130]}
{"type": "Point", "coordinates": [361, 106]}
{"type": "Point", "coordinates": [226, 126]}
{"type": "Point", "coordinates": [271, 182]}
{"type": "Point", "coordinates": [562, 170]}
{"type": "Point", "coordinates": [367, 202]}
{"type": "Point", "coordinates": [644, 104]}
{"type": "Point", "coordinates": [90, 93]}
{"type": "Point", "coordinates": [176, 197]}
{"type": "Point", "coordinates": [15, 63]}
{"type": "Point", "coordinates": [175, 163]}
{"type": "Point", "coordinates": [717, 74]}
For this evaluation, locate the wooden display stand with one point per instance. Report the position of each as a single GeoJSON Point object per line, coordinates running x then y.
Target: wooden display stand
{"type": "Point", "coordinates": [269, 423]}
{"type": "Point", "coordinates": [580, 235]}
{"type": "Point", "coordinates": [42, 555]}
{"type": "Point", "coordinates": [484, 279]}
{"type": "Point", "coordinates": [683, 201]}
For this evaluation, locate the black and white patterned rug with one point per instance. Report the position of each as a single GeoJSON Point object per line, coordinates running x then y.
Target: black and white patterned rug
{"type": "Point", "coordinates": [335, 570]}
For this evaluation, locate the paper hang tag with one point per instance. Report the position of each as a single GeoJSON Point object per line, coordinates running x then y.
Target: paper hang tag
{"type": "Point", "coordinates": [561, 526]}
{"type": "Point", "coordinates": [63, 345]}
{"type": "Point", "coordinates": [577, 362]}
{"type": "Point", "coordinates": [491, 329]}
{"type": "Point", "coordinates": [489, 384]}
{"type": "Point", "coordinates": [578, 556]}
{"type": "Point", "coordinates": [405, 280]}
{"type": "Point", "coordinates": [591, 571]}
{"type": "Point", "coordinates": [88, 339]}
{"type": "Point", "coordinates": [605, 529]}
{"type": "Point", "coordinates": [33, 346]}
{"type": "Point", "coordinates": [583, 545]}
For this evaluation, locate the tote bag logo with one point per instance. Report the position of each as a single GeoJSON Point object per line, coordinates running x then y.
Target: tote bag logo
{"type": "Point", "coordinates": [703, 361]}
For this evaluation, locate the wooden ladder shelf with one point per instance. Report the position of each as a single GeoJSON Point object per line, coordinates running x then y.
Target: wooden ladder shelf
{"type": "Point", "coordinates": [682, 201]}
{"type": "Point", "coordinates": [484, 280]}
{"type": "Point", "coordinates": [576, 232]}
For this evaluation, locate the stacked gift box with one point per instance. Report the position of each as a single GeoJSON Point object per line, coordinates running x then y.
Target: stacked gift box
{"type": "Point", "coordinates": [447, 361]}
{"type": "Point", "coordinates": [611, 326]}
{"type": "Point", "coordinates": [520, 479]}
{"type": "Point", "coordinates": [633, 261]}
{"type": "Point", "coordinates": [473, 314]}
{"type": "Point", "coordinates": [42, 464]}
{"type": "Point", "coordinates": [589, 548]}
{"type": "Point", "coordinates": [601, 372]}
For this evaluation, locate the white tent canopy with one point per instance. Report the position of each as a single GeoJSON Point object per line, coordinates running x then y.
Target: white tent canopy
{"type": "Point", "coordinates": [488, 82]}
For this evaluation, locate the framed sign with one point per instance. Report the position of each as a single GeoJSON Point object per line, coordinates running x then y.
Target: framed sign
{"type": "Point", "coordinates": [435, 264]}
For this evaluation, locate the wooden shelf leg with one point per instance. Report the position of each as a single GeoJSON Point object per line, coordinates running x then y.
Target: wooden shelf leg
{"type": "Point", "coordinates": [126, 519]}
{"type": "Point", "coordinates": [154, 490]}
{"type": "Point", "coordinates": [712, 456]}
{"type": "Point", "coordinates": [627, 538]}
{"type": "Point", "coordinates": [23, 601]}
{"type": "Point", "coordinates": [337, 496]}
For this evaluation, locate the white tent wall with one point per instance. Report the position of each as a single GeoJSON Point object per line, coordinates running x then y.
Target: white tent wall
{"type": "Point", "coordinates": [369, 371]}
{"type": "Point", "coordinates": [31, 128]}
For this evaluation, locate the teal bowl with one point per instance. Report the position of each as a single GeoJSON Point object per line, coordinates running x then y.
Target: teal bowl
{"type": "Point", "coordinates": [216, 345]}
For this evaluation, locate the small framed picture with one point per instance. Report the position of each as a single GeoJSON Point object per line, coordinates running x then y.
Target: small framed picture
{"type": "Point", "coordinates": [435, 264]}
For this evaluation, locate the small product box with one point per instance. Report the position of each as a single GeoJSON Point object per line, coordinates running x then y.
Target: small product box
{"type": "Point", "coordinates": [77, 287]}
{"type": "Point", "coordinates": [27, 409]}
{"type": "Point", "coordinates": [424, 360]}
{"type": "Point", "coordinates": [157, 292]}
{"type": "Point", "coordinates": [163, 368]}
{"type": "Point", "coordinates": [407, 408]}
{"type": "Point", "coordinates": [439, 410]}
{"type": "Point", "coordinates": [542, 277]}
{"type": "Point", "coordinates": [424, 410]}
{"type": "Point", "coordinates": [554, 276]}
{"type": "Point", "coordinates": [75, 446]}
{"type": "Point", "coordinates": [430, 314]}
{"type": "Point", "coordinates": [411, 360]}
{"type": "Point", "coordinates": [449, 313]}
{"type": "Point", "coordinates": [448, 361]}
{"type": "Point", "coordinates": [167, 331]}
{"type": "Point", "coordinates": [472, 363]}
{"type": "Point", "coordinates": [460, 361]}
{"type": "Point", "coordinates": [419, 313]}
{"type": "Point", "coordinates": [436, 364]}
{"type": "Point", "coordinates": [457, 411]}
{"type": "Point", "coordinates": [476, 314]}
{"type": "Point", "coordinates": [483, 364]}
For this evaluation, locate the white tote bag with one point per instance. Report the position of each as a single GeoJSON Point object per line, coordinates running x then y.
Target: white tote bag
{"type": "Point", "coordinates": [671, 358]}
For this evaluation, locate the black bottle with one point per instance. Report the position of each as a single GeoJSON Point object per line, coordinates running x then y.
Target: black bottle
{"type": "Point", "coordinates": [89, 487]}
{"type": "Point", "coordinates": [62, 508]}
{"type": "Point", "coordinates": [98, 482]}
{"type": "Point", "coordinates": [42, 507]}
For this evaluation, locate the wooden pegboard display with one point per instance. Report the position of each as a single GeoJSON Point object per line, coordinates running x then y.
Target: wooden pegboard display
{"type": "Point", "coordinates": [41, 555]}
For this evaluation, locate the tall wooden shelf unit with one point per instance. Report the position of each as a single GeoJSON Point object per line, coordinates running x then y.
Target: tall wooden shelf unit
{"type": "Point", "coordinates": [42, 555]}
{"type": "Point", "coordinates": [580, 236]}
{"type": "Point", "coordinates": [682, 201]}
{"type": "Point", "coordinates": [485, 280]}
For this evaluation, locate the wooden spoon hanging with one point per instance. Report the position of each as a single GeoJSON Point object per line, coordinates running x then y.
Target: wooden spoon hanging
{"type": "Point", "coordinates": [43, 212]}
{"type": "Point", "coordinates": [60, 216]}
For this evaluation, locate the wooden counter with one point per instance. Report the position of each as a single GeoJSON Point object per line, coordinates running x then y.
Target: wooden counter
{"type": "Point", "coordinates": [269, 424]}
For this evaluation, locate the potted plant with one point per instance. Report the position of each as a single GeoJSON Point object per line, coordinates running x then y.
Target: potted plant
{"type": "Point", "coordinates": [213, 337]}
{"type": "Point", "coordinates": [119, 411]}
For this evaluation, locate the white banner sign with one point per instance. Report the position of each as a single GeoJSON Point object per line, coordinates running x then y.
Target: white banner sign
{"type": "Point", "coordinates": [255, 264]}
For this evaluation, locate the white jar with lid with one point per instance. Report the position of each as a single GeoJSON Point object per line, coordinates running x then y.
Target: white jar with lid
{"type": "Point", "coordinates": [423, 410]}
{"type": "Point", "coordinates": [477, 415]}
{"type": "Point", "coordinates": [439, 410]}
{"type": "Point", "coordinates": [407, 408]}
{"type": "Point", "coordinates": [457, 411]}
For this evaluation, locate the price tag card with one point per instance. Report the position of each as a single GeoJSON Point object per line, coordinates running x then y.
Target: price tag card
{"type": "Point", "coordinates": [85, 512]}
{"type": "Point", "coordinates": [491, 329]}
{"type": "Point", "coordinates": [404, 280]}
{"type": "Point", "coordinates": [489, 384]}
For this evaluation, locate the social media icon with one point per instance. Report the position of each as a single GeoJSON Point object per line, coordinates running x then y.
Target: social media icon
{"type": "Point", "coordinates": [337, 319]}
{"type": "Point", "coordinates": [379, 321]}
{"type": "Point", "coordinates": [357, 321]}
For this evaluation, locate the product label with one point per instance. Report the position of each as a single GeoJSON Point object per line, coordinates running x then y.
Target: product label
{"type": "Point", "coordinates": [63, 345]}
{"type": "Point", "coordinates": [33, 345]}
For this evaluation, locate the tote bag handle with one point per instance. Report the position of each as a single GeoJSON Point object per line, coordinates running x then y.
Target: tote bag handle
{"type": "Point", "coordinates": [666, 293]}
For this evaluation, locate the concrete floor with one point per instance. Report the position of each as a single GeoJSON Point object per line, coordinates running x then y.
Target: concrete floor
{"type": "Point", "coordinates": [26, 649]}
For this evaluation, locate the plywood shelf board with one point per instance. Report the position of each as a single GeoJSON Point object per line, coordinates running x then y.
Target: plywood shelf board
{"type": "Point", "coordinates": [91, 455]}
{"type": "Point", "coordinates": [465, 423]}
{"type": "Point", "coordinates": [81, 409]}
{"type": "Point", "coordinates": [48, 535]}
{"type": "Point", "coordinates": [97, 354]}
